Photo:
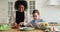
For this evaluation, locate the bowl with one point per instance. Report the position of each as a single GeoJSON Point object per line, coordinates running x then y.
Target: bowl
{"type": "Point", "coordinates": [4, 27]}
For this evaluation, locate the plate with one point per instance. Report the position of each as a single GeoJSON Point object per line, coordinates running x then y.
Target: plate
{"type": "Point", "coordinates": [26, 28]}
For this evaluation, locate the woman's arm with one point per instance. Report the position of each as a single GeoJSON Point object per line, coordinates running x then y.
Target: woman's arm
{"type": "Point", "coordinates": [26, 18]}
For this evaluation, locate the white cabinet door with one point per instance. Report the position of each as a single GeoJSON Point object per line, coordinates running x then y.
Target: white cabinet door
{"type": "Point", "coordinates": [3, 12]}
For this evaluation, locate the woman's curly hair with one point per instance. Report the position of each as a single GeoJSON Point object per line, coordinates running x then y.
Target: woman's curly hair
{"type": "Point", "coordinates": [24, 3]}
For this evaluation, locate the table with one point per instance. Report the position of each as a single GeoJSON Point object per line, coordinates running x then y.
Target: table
{"type": "Point", "coordinates": [17, 30]}
{"type": "Point", "coordinates": [36, 30]}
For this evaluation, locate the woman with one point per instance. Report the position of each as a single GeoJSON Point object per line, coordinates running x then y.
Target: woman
{"type": "Point", "coordinates": [21, 15]}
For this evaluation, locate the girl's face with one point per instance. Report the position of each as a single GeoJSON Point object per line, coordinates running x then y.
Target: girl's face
{"type": "Point", "coordinates": [21, 8]}
{"type": "Point", "coordinates": [35, 16]}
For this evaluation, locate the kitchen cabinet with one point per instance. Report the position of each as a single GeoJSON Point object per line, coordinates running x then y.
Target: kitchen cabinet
{"type": "Point", "coordinates": [3, 11]}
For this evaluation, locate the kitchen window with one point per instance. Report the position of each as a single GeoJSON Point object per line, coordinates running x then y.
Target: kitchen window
{"type": "Point", "coordinates": [31, 7]}
{"type": "Point", "coordinates": [10, 8]}
{"type": "Point", "coordinates": [10, 11]}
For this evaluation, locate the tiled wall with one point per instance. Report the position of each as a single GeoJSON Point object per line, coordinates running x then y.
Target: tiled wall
{"type": "Point", "coordinates": [48, 13]}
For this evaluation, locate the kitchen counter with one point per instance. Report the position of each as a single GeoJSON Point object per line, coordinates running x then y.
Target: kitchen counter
{"type": "Point", "coordinates": [36, 30]}
{"type": "Point", "coordinates": [54, 24]}
{"type": "Point", "coordinates": [17, 30]}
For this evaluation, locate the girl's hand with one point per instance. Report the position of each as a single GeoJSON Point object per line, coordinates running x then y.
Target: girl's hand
{"type": "Point", "coordinates": [30, 25]}
{"type": "Point", "coordinates": [40, 23]}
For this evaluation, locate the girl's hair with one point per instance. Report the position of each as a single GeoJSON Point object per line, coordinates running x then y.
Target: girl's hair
{"type": "Point", "coordinates": [35, 11]}
{"type": "Point", "coordinates": [24, 3]}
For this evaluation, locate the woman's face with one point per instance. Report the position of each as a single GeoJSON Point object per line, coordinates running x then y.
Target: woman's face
{"type": "Point", "coordinates": [21, 8]}
{"type": "Point", "coordinates": [35, 16]}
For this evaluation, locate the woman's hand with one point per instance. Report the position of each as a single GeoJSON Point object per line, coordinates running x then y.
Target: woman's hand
{"type": "Point", "coordinates": [21, 23]}
{"type": "Point", "coordinates": [14, 25]}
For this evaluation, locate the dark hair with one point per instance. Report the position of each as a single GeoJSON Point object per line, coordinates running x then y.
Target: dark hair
{"type": "Point", "coordinates": [24, 3]}
{"type": "Point", "coordinates": [35, 11]}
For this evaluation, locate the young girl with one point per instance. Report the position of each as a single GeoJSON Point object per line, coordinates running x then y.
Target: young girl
{"type": "Point", "coordinates": [36, 20]}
